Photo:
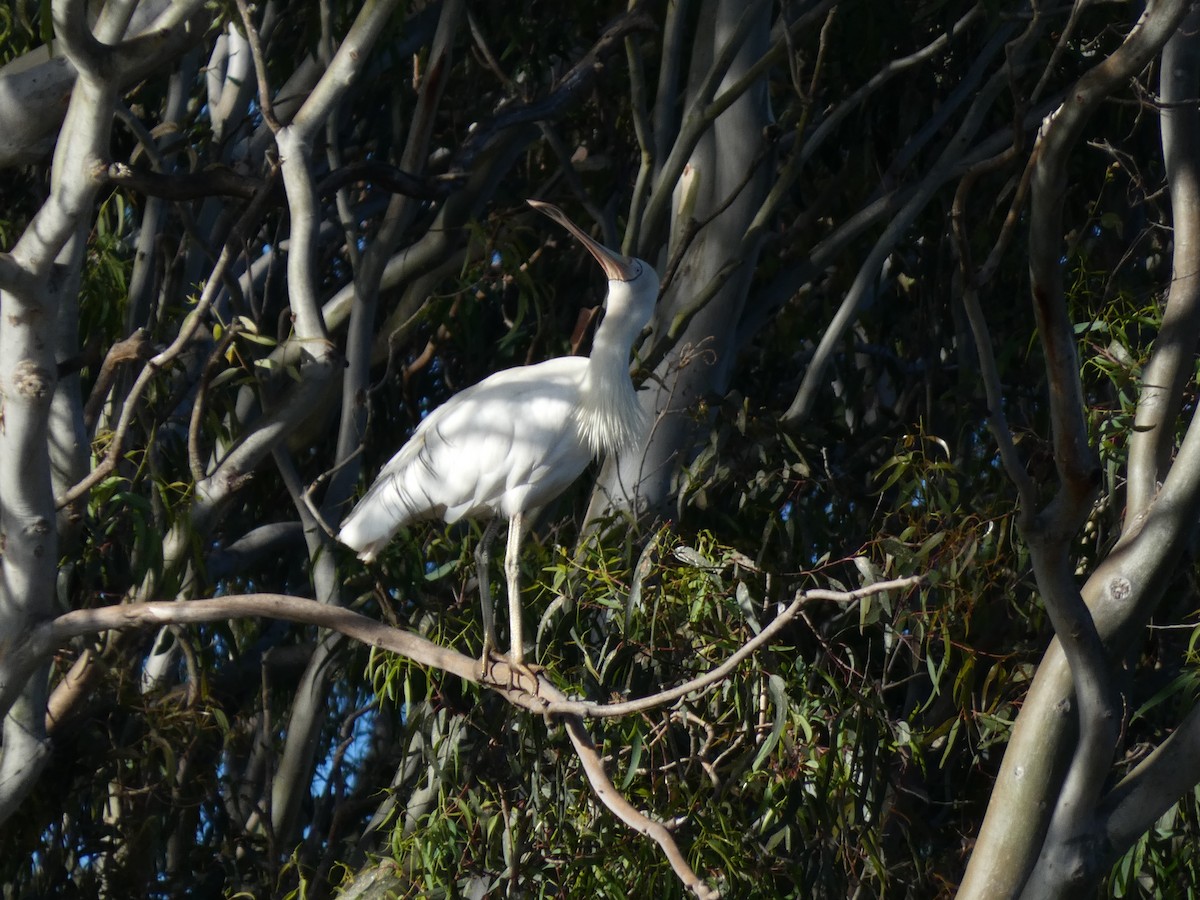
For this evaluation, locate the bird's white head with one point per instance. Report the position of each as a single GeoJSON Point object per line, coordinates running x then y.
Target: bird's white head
{"type": "Point", "coordinates": [632, 282]}
{"type": "Point", "coordinates": [609, 415]}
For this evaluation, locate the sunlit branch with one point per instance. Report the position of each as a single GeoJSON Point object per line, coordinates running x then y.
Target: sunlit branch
{"type": "Point", "coordinates": [188, 330]}
{"type": "Point", "coordinates": [609, 710]}
{"type": "Point", "coordinates": [513, 684]}
{"type": "Point", "coordinates": [704, 108]}
{"type": "Point", "coordinates": [1170, 366]}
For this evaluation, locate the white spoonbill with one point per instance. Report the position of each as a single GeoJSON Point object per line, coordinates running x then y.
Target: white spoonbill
{"type": "Point", "coordinates": [516, 440]}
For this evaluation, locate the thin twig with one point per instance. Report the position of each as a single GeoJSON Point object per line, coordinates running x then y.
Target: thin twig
{"type": "Point", "coordinates": [197, 417]}
{"type": "Point", "coordinates": [265, 104]}
{"type": "Point", "coordinates": [516, 686]}
{"type": "Point", "coordinates": [245, 225]}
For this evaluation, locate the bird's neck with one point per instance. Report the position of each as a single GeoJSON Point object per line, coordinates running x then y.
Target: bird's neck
{"type": "Point", "coordinates": [609, 414]}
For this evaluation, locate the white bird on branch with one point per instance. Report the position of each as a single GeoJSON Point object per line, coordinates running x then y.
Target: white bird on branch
{"type": "Point", "coordinates": [516, 440]}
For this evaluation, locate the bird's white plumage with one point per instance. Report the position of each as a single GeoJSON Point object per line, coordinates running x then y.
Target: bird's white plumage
{"type": "Point", "coordinates": [511, 442]}
{"type": "Point", "coordinates": [516, 440]}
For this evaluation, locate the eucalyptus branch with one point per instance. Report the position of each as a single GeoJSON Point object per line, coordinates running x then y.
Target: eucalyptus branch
{"type": "Point", "coordinates": [1074, 817]}
{"type": "Point", "coordinates": [989, 372]}
{"type": "Point", "coordinates": [687, 234]}
{"type": "Point", "coordinates": [611, 710]}
{"type": "Point", "coordinates": [294, 165]}
{"type": "Point", "coordinates": [215, 181]}
{"type": "Point", "coordinates": [703, 110]}
{"type": "Point", "coordinates": [161, 164]}
{"type": "Point", "coordinates": [1065, 856]}
{"type": "Point", "coordinates": [1170, 367]}
{"type": "Point", "coordinates": [161, 360]}
{"type": "Point", "coordinates": [1120, 584]}
{"type": "Point", "coordinates": [489, 58]}
{"type": "Point", "coordinates": [136, 346]}
{"type": "Point", "coordinates": [605, 790]}
{"type": "Point", "coordinates": [1143, 796]}
{"type": "Point", "coordinates": [669, 90]}
{"type": "Point", "coordinates": [1074, 457]}
{"type": "Point", "coordinates": [265, 101]}
{"type": "Point", "coordinates": [345, 66]}
{"type": "Point", "coordinates": [221, 181]}
{"type": "Point", "coordinates": [195, 462]}
{"type": "Point", "coordinates": [13, 276]}
{"type": "Point", "coordinates": [227, 80]}
{"type": "Point", "coordinates": [98, 59]}
{"type": "Point", "coordinates": [516, 686]}
{"type": "Point", "coordinates": [781, 189]}
{"type": "Point", "coordinates": [560, 150]}
{"type": "Point", "coordinates": [861, 291]}
{"type": "Point", "coordinates": [570, 87]}
{"type": "Point", "coordinates": [91, 58]}
{"type": "Point", "coordinates": [644, 132]}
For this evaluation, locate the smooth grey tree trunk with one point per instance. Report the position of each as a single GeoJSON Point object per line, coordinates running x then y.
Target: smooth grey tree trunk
{"type": "Point", "coordinates": [727, 179]}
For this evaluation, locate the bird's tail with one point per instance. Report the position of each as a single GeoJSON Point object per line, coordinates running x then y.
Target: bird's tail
{"type": "Point", "coordinates": [377, 516]}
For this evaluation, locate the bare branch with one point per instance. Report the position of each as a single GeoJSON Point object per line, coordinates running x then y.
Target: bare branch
{"type": "Point", "coordinates": [997, 419]}
{"type": "Point", "coordinates": [593, 766]}
{"type": "Point", "coordinates": [265, 98]}
{"type": "Point", "coordinates": [568, 88]}
{"type": "Point", "coordinates": [344, 68]}
{"type": "Point", "coordinates": [611, 710]}
{"type": "Point", "coordinates": [13, 276]}
{"type": "Point", "coordinates": [136, 346]}
{"type": "Point", "coordinates": [183, 339]}
{"type": "Point", "coordinates": [1034, 752]}
{"type": "Point", "coordinates": [1153, 787]}
{"type": "Point", "coordinates": [701, 113]}
{"type": "Point", "coordinates": [88, 55]}
{"type": "Point", "coordinates": [195, 461]}
{"type": "Point", "coordinates": [514, 685]}
{"type": "Point", "coordinates": [862, 290]}
{"type": "Point", "coordinates": [1161, 396]}
{"type": "Point", "coordinates": [1074, 457]}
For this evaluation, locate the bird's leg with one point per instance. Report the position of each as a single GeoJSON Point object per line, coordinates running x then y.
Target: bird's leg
{"type": "Point", "coordinates": [512, 570]}
{"type": "Point", "coordinates": [485, 595]}
{"type": "Point", "coordinates": [516, 631]}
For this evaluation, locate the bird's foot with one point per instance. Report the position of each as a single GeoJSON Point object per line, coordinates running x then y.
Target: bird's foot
{"type": "Point", "coordinates": [524, 675]}
{"type": "Point", "coordinates": [513, 675]}
{"type": "Point", "coordinates": [487, 662]}
{"type": "Point", "coordinates": [516, 674]}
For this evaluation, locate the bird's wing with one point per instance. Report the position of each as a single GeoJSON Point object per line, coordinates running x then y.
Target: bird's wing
{"type": "Point", "coordinates": [510, 443]}
{"type": "Point", "coordinates": [507, 444]}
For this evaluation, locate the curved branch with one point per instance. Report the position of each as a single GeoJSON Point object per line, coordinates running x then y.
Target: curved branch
{"type": "Point", "coordinates": [611, 710]}
{"type": "Point", "coordinates": [90, 57]}
{"type": "Point", "coordinates": [13, 276]}
{"type": "Point", "coordinates": [1161, 396]}
{"type": "Point", "coordinates": [515, 685]}
{"type": "Point", "coordinates": [1128, 584]}
{"type": "Point", "coordinates": [166, 357]}
{"type": "Point", "coordinates": [861, 291]}
{"type": "Point", "coordinates": [593, 767]}
{"type": "Point", "coordinates": [1074, 457]}
{"type": "Point", "coordinates": [1153, 787]}
{"type": "Point", "coordinates": [343, 68]}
